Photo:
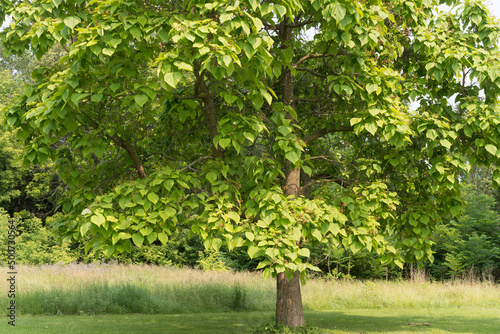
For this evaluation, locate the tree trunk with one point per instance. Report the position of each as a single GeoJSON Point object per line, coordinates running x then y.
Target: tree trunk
{"type": "Point", "coordinates": [201, 91]}
{"type": "Point", "coordinates": [289, 301]}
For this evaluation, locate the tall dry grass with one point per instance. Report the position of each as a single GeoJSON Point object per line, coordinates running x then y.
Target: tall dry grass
{"type": "Point", "coordinates": [113, 288]}
{"type": "Point", "coordinates": [320, 295]}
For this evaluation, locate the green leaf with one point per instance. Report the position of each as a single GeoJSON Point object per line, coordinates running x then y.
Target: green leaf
{"type": "Point", "coordinates": [163, 238]}
{"type": "Point", "coordinates": [371, 127]}
{"type": "Point", "coordinates": [108, 52]}
{"type": "Point", "coordinates": [153, 198]}
{"type": "Point", "coordinates": [124, 235]}
{"type": "Point", "coordinates": [211, 177]}
{"type": "Point", "coordinates": [280, 10]}
{"type": "Point", "coordinates": [250, 236]}
{"type": "Point", "coordinates": [257, 23]}
{"type": "Point", "coordinates": [96, 97]}
{"type": "Point", "coordinates": [123, 202]}
{"type": "Point", "coordinates": [356, 246]}
{"type": "Point", "coordinates": [11, 121]}
{"type": "Point", "coordinates": [124, 224]}
{"type": "Point", "coordinates": [234, 216]}
{"type": "Point", "coordinates": [84, 228]}
{"type": "Point", "coordinates": [168, 184]}
{"type": "Point", "coordinates": [293, 156]}
{"type": "Point", "coordinates": [138, 239]}
{"type": "Point", "coordinates": [445, 143]}
{"type": "Point", "coordinates": [355, 120]}
{"type": "Point", "coordinates": [334, 228]}
{"type": "Point", "coordinates": [167, 213]}
{"type": "Point", "coordinates": [252, 250]}
{"type": "Point", "coordinates": [109, 250]}
{"type": "Point", "coordinates": [142, 20]}
{"type": "Point", "coordinates": [114, 87]}
{"type": "Point", "coordinates": [173, 78]}
{"type": "Point", "coordinates": [305, 252]}
{"type": "Point", "coordinates": [72, 21]}
{"type": "Point", "coordinates": [184, 66]}
{"type": "Point", "coordinates": [338, 12]}
{"type": "Point", "coordinates": [372, 87]}
{"type": "Point", "coordinates": [152, 237]}
{"type": "Point", "coordinates": [114, 42]}
{"type": "Point", "coordinates": [491, 148]}
{"type": "Point", "coordinates": [307, 170]}
{"type": "Point", "coordinates": [438, 74]}
{"type": "Point", "coordinates": [245, 27]}
{"type": "Point", "coordinates": [136, 32]}
{"type": "Point", "coordinates": [98, 219]}
{"type": "Point", "coordinates": [224, 142]}
{"type": "Point", "coordinates": [346, 37]}
{"type": "Point", "coordinates": [141, 99]}
{"type": "Point", "coordinates": [250, 136]}
{"type": "Point", "coordinates": [496, 177]}
{"type": "Point", "coordinates": [317, 234]}
{"type": "Point", "coordinates": [267, 273]}
{"type": "Point", "coordinates": [254, 4]}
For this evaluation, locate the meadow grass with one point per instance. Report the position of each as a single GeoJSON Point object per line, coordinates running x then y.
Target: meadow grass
{"type": "Point", "coordinates": [92, 289]}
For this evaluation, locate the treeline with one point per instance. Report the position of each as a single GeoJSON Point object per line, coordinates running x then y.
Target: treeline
{"type": "Point", "coordinates": [465, 248]}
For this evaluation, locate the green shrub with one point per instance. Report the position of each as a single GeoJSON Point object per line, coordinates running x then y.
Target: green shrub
{"type": "Point", "coordinates": [34, 243]}
{"type": "Point", "coordinates": [211, 260]}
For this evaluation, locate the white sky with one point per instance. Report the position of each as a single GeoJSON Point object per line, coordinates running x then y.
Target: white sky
{"type": "Point", "coordinates": [494, 6]}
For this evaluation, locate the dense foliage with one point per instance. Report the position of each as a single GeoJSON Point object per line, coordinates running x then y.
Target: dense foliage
{"type": "Point", "coordinates": [231, 119]}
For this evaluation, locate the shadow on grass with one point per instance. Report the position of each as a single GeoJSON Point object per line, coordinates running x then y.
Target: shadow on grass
{"type": "Point", "coordinates": [203, 323]}
{"type": "Point", "coordinates": [474, 321]}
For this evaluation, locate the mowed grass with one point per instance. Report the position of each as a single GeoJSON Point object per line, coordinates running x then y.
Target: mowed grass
{"type": "Point", "coordinates": [379, 321]}
{"type": "Point", "coordinates": [110, 298]}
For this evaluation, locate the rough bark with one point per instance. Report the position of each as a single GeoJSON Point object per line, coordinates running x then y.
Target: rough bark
{"type": "Point", "coordinates": [306, 188]}
{"type": "Point", "coordinates": [289, 311]}
{"type": "Point", "coordinates": [292, 184]}
{"type": "Point", "coordinates": [289, 301]}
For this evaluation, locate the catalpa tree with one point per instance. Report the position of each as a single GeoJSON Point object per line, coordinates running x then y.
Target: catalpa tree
{"type": "Point", "coordinates": [276, 126]}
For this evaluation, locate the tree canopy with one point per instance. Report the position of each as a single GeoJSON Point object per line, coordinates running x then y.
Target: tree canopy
{"type": "Point", "coordinates": [276, 126]}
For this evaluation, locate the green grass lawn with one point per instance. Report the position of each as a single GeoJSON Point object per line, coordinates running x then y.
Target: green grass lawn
{"type": "Point", "coordinates": [376, 321]}
{"type": "Point", "coordinates": [121, 299]}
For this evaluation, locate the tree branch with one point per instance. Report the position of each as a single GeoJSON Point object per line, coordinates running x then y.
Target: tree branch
{"type": "Point", "coordinates": [126, 146]}
{"type": "Point", "coordinates": [201, 90]}
{"type": "Point", "coordinates": [313, 55]}
{"type": "Point", "coordinates": [323, 132]}
{"type": "Point", "coordinates": [194, 163]}
{"type": "Point", "coordinates": [301, 24]}
{"type": "Point", "coordinates": [316, 74]}
{"type": "Point", "coordinates": [130, 150]}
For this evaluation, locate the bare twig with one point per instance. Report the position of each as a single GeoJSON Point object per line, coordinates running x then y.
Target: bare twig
{"type": "Point", "coordinates": [194, 163]}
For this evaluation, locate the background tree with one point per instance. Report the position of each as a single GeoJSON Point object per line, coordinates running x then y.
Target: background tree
{"type": "Point", "coordinates": [10, 170]}
{"type": "Point", "coordinates": [33, 188]}
{"type": "Point", "coordinates": [224, 115]}
{"type": "Point", "coordinates": [470, 244]}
